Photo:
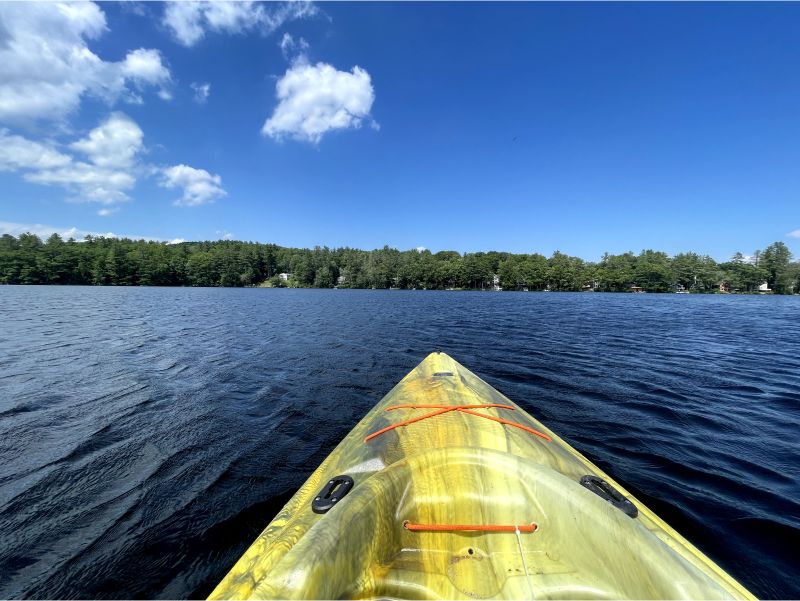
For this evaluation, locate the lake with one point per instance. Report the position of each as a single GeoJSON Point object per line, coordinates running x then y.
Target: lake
{"type": "Point", "coordinates": [147, 435]}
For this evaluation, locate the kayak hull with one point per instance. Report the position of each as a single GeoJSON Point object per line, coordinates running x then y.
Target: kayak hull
{"type": "Point", "coordinates": [458, 493]}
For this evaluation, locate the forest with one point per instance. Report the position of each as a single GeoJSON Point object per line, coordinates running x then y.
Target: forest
{"type": "Point", "coordinates": [26, 259]}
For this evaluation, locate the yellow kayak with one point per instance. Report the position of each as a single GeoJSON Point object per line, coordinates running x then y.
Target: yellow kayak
{"type": "Point", "coordinates": [448, 490]}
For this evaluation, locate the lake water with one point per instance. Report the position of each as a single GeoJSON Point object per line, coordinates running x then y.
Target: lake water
{"type": "Point", "coordinates": [147, 435]}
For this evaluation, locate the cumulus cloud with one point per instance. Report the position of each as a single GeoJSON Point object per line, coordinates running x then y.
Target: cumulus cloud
{"type": "Point", "coordinates": [17, 152]}
{"type": "Point", "coordinates": [145, 67]}
{"type": "Point", "coordinates": [201, 92]}
{"type": "Point", "coordinates": [189, 20]}
{"type": "Point", "coordinates": [112, 165]}
{"type": "Point", "coordinates": [198, 185]}
{"type": "Point", "coordinates": [316, 99]}
{"type": "Point", "coordinates": [87, 182]}
{"type": "Point", "coordinates": [46, 65]}
{"type": "Point", "coordinates": [794, 234]}
{"type": "Point", "coordinates": [110, 172]}
{"type": "Point", "coordinates": [46, 69]}
{"type": "Point", "coordinates": [114, 143]}
{"type": "Point", "coordinates": [105, 178]}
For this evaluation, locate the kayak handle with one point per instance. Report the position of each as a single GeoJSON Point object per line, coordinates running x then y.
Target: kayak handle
{"type": "Point", "coordinates": [605, 491]}
{"type": "Point", "coordinates": [331, 494]}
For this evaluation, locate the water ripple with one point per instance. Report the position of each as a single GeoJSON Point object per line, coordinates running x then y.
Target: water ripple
{"type": "Point", "coordinates": [148, 435]}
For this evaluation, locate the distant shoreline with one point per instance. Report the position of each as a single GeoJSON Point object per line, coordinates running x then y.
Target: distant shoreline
{"type": "Point", "coordinates": [99, 261]}
{"type": "Point", "coordinates": [456, 290]}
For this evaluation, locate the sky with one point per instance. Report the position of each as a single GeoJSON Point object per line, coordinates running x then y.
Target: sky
{"type": "Point", "coordinates": [522, 127]}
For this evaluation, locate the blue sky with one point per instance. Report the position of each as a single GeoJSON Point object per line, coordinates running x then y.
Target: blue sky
{"type": "Point", "coordinates": [525, 127]}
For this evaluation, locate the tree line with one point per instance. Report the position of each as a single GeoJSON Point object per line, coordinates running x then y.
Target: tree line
{"type": "Point", "coordinates": [27, 259]}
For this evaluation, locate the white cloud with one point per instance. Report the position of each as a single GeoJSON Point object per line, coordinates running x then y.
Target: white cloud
{"type": "Point", "coordinates": [134, 7]}
{"type": "Point", "coordinates": [87, 182]}
{"type": "Point", "coordinates": [189, 20]}
{"type": "Point", "coordinates": [114, 143]}
{"type": "Point", "coordinates": [290, 48]}
{"type": "Point", "coordinates": [45, 231]}
{"type": "Point", "coordinates": [185, 19]}
{"type": "Point", "coordinates": [224, 235]}
{"type": "Point", "coordinates": [316, 99]}
{"type": "Point", "coordinates": [110, 171]}
{"type": "Point", "coordinates": [17, 152]}
{"type": "Point", "coordinates": [111, 148]}
{"type": "Point", "coordinates": [145, 67]}
{"type": "Point", "coordinates": [46, 66]}
{"type": "Point", "coordinates": [199, 186]}
{"type": "Point", "coordinates": [794, 234]}
{"type": "Point", "coordinates": [201, 92]}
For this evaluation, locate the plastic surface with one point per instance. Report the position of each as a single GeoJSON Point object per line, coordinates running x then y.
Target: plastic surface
{"type": "Point", "coordinates": [457, 468]}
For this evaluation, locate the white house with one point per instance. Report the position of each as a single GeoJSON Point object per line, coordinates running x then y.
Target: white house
{"type": "Point", "coordinates": [764, 287]}
{"type": "Point", "coordinates": [284, 276]}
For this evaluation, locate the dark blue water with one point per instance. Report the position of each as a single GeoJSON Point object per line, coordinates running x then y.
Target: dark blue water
{"type": "Point", "coordinates": [148, 435]}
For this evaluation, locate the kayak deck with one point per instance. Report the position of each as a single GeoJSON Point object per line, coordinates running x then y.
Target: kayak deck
{"type": "Point", "coordinates": [456, 492]}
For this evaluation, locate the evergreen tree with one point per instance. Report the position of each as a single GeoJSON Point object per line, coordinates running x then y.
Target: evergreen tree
{"type": "Point", "coordinates": [122, 262]}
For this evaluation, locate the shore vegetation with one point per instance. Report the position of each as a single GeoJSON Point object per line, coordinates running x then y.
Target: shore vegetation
{"type": "Point", "coordinates": [27, 259]}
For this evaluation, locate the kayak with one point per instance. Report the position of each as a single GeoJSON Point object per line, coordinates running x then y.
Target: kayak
{"type": "Point", "coordinates": [446, 489]}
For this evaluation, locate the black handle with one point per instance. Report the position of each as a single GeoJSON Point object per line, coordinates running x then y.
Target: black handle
{"type": "Point", "coordinates": [331, 493]}
{"type": "Point", "coordinates": [605, 491]}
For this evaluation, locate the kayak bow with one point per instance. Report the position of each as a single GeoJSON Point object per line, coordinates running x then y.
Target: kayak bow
{"type": "Point", "coordinates": [448, 490]}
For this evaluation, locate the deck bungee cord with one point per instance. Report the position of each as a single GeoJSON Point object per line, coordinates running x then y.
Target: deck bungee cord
{"type": "Point", "coordinates": [532, 527]}
{"type": "Point", "coordinates": [442, 409]}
